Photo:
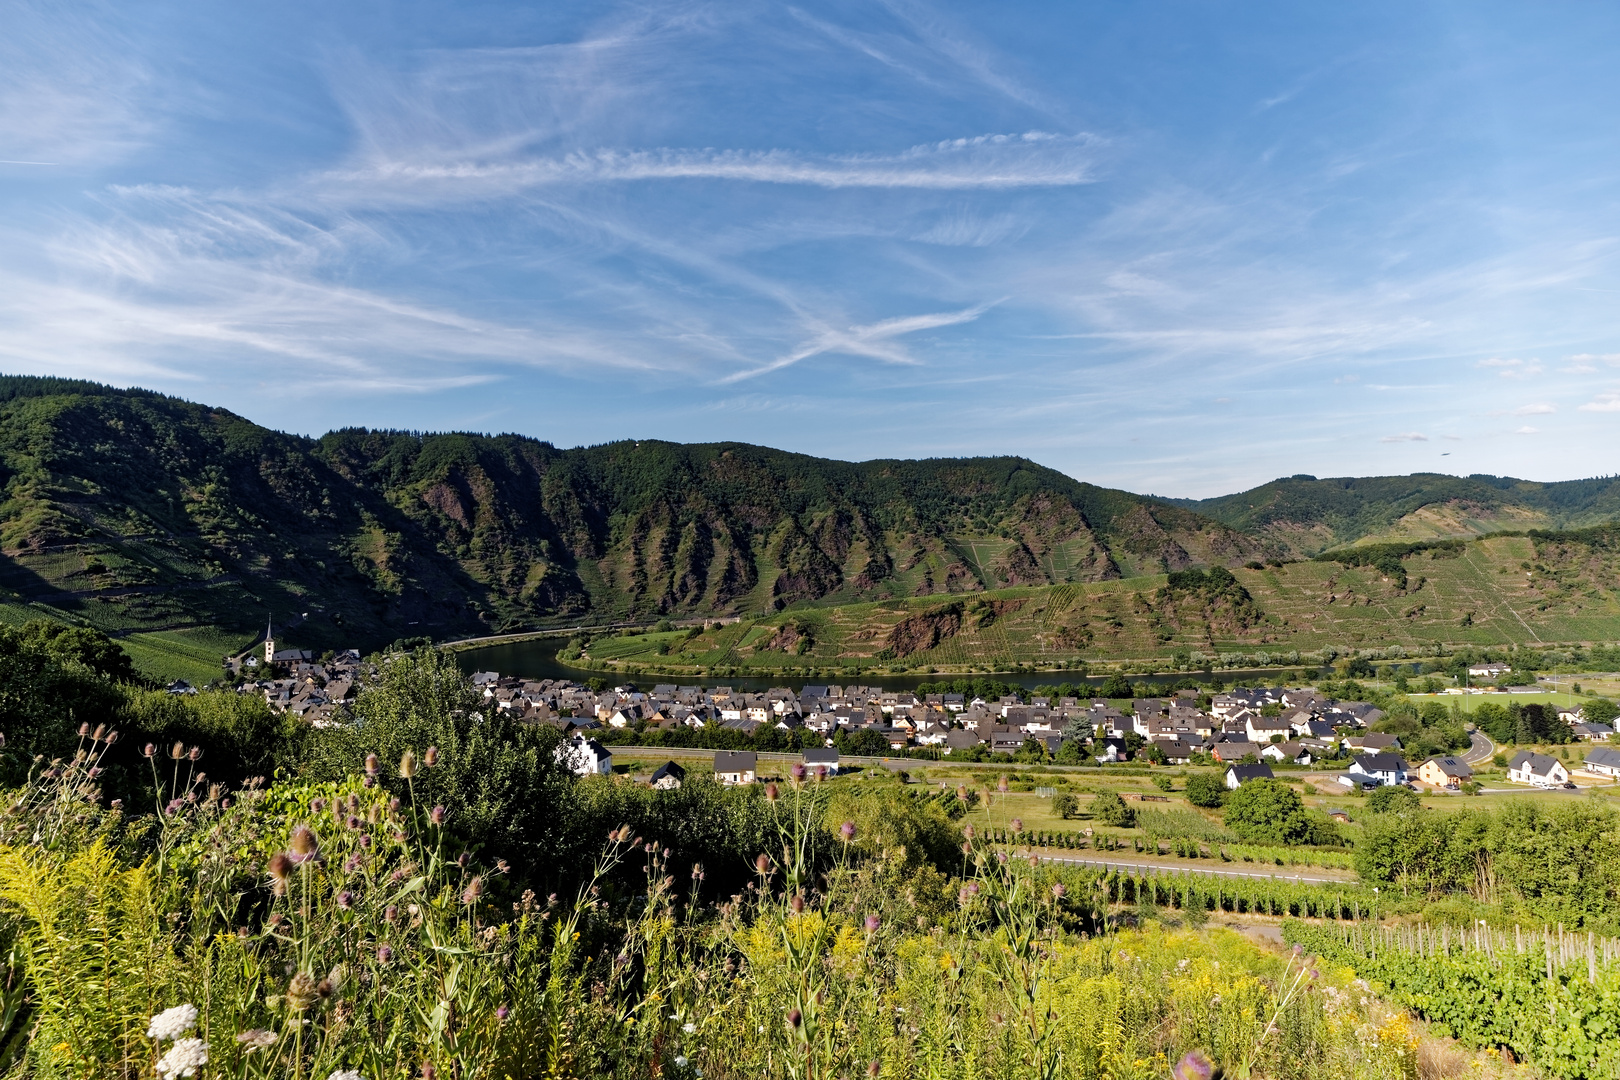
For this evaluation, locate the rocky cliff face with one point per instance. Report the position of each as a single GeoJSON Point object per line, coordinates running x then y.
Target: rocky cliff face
{"type": "Point", "coordinates": [111, 492]}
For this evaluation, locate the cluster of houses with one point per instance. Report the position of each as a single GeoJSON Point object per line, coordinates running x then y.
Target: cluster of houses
{"type": "Point", "coordinates": [293, 681]}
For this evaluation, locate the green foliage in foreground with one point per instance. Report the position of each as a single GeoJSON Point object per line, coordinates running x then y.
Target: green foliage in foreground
{"type": "Point", "coordinates": [1554, 1006]}
{"type": "Point", "coordinates": [1531, 861]}
{"type": "Point", "coordinates": [296, 931]}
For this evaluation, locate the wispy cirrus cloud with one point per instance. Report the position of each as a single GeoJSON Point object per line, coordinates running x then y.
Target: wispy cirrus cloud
{"type": "Point", "coordinates": [981, 162]}
{"type": "Point", "coordinates": [1540, 408]}
{"type": "Point", "coordinates": [875, 340]}
{"type": "Point", "coordinates": [1408, 436]}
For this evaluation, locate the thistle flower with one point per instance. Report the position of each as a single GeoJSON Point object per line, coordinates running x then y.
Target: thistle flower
{"type": "Point", "coordinates": [967, 831]}
{"type": "Point", "coordinates": [84, 729]}
{"type": "Point", "coordinates": [301, 992]}
{"type": "Point", "coordinates": [407, 765]}
{"type": "Point", "coordinates": [428, 1071]}
{"type": "Point", "coordinates": [177, 751]}
{"type": "Point", "coordinates": [184, 1058]}
{"type": "Point", "coordinates": [796, 904]}
{"type": "Point", "coordinates": [352, 821]}
{"type": "Point", "coordinates": [98, 734]}
{"type": "Point", "coordinates": [257, 1039]}
{"type": "Point", "coordinates": [149, 750]}
{"type": "Point", "coordinates": [794, 1016]}
{"type": "Point", "coordinates": [1017, 825]}
{"type": "Point", "coordinates": [195, 753]}
{"type": "Point", "coordinates": [771, 794]}
{"type": "Point", "coordinates": [1194, 1066]}
{"type": "Point", "coordinates": [437, 815]}
{"type": "Point", "coordinates": [280, 869]}
{"type": "Point", "coordinates": [762, 863]}
{"type": "Point", "coordinates": [172, 1023]}
{"type": "Point", "coordinates": [390, 913]}
{"type": "Point", "coordinates": [798, 772]}
{"type": "Point", "coordinates": [384, 954]}
{"type": "Point", "coordinates": [1002, 785]}
{"type": "Point", "coordinates": [502, 1012]}
{"type": "Point", "coordinates": [872, 923]}
{"type": "Point", "coordinates": [431, 757]}
{"type": "Point", "coordinates": [463, 860]}
{"type": "Point", "coordinates": [847, 831]}
{"type": "Point", "coordinates": [302, 846]}
{"type": "Point", "coordinates": [874, 1067]}
{"type": "Point", "coordinates": [372, 765]}
{"type": "Point", "coordinates": [112, 737]}
{"type": "Point", "coordinates": [1058, 890]}
{"type": "Point", "coordinates": [474, 890]}
{"type": "Point", "coordinates": [317, 805]}
{"type": "Point", "coordinates": [345, 900]}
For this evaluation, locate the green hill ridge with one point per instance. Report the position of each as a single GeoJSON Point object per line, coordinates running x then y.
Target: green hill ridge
{"type": "Point", "coordinates": [183, 529]}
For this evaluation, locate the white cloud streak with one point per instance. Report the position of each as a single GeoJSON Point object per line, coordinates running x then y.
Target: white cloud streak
{"type": "Point", "coordinates": [874, 341]}
{"type": "Point", "coordinates": [987, 162]}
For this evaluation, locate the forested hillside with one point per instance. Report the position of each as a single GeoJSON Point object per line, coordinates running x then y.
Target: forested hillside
{"type": "Point", "coordinates": [138, 512]}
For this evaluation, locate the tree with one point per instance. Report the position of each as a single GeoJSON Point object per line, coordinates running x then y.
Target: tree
{"type": "Point", "coordinates": [498, 779]}
{"type": "Point", "coordinates": [1065, 805]}
{"type": "Point", "coordinates": [1109, 809]}
{"type": "Point", "coordinates": [1206, 789]}
{"type": "Point", "coordinates": [1393, 799]}
{"type": "Point", "coordinates": [1267, 812]}
{"type": "Point", "coordinates": [1600, 711]}
{"type": "Point", "coordinates": [1117, 686]}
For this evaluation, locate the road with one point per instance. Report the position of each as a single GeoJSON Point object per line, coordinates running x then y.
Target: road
{"type": "Point", "coordinates": [1480, 749]}
{"type": "Point", "coordinates": [1211, 871]}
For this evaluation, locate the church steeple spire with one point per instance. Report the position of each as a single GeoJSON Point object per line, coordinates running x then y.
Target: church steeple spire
{"type": "Point", "coordinates": [269, 644]}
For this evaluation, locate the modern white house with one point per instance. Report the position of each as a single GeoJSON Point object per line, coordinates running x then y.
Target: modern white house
{"type": "Point", "coordinates": [1603, 761]}
{"type": "Point", "coordinates": [1538, 770]}
{"type": "Point", "coordinates": [584, 757]}
{"type": "Point", "coordinates": [1492, 670]}
{"type": "Point", "coordinates": [1374, 770]}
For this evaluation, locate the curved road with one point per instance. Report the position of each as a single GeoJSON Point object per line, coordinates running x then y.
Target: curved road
{"type": "Point", "coordinates": [1480, 749]}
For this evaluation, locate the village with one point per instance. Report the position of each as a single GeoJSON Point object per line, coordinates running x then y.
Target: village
{"type": "Point", "coordinates": [1245, 732]}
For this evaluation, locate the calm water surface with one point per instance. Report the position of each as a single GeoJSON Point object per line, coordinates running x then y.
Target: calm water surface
{"type": "Point", "coordinates": [537, 659]}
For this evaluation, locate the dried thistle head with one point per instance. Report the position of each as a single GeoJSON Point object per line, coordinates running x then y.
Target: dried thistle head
{"type": "Point", "coordinates": [177, 751]}
{"type": "Point", "coordinates": [431, 757]}
{"type": "Point", "coordinates": [302, 992]}
{"type": "Point", "coordinates": [407, 765]}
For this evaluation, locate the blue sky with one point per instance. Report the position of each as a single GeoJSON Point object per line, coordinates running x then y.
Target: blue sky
{"type": "Point", "coordinates": [1176, 247]}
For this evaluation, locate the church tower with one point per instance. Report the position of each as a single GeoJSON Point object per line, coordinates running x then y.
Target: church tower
{"type": "Point", "coordinates": [269, 645]}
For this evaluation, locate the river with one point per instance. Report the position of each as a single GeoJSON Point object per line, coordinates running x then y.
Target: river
{"type": "Point", "coordinates": [536, 658]}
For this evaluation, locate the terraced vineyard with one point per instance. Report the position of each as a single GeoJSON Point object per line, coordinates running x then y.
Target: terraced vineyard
{"type": "Point", "coordinates": [1496, 591]}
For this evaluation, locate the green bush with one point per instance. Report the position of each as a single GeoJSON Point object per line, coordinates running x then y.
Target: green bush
{"type": "Point", "coordinates": [1267, 812]}
{"type": "Point", "coordinates": [1206, 789]}
{"type": "Point", "coordinates": [1109, 809]}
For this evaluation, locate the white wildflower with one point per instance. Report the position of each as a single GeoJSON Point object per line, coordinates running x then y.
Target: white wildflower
{"type": "Point", "coordinates": [172, 1023]}
{"type": "Point", "coordinates": [689, 1028]}
{"type": "Point", "coordinates": [680, 1062]}
{"type": "Point", "coordinates": [184, 1058]}
{"type": "Point", "coordinates": [346, 1074]}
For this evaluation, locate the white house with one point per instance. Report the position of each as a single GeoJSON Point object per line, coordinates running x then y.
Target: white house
{"type": "Point", "coordinates": [1603, 761]}
{"type": "Point", "coordinates": [736, 766]}
{"type": "Point", "coordinates": [815, 759]}
{"type": "Point", "coordinates": [1260, 729]}
{"type": "Point", "coordinates": [1539, 770]}
{"type": "Point", "coordinates": [1238, 775]}
{"type": "Point", "coordinates": [668, 777]}
{"type": "Point", "coordinates": [1378, 769]}
{"type": "Point", "coordinates": [584, 757]}
{"type": "Point", "coordinates": [1492, 670]}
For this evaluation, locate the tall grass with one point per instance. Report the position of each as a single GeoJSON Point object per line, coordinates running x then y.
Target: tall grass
{"type": "Point", "coordinates": [332, 930]}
